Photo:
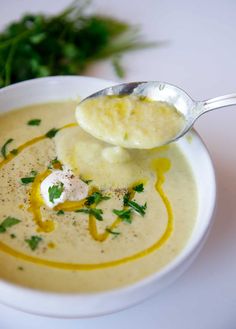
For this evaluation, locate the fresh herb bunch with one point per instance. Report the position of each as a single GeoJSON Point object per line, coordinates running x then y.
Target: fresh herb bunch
{"type": "Point", "coordinates": [63, 44]}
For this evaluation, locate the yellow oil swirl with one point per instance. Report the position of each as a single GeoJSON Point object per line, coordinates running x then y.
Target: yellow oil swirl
{"type": "Point", "coordinates": [36, 202]}
{"type": "Point", "coordinates": [31, 142]}
{"type": "Point", "coordinates": [161, 166]}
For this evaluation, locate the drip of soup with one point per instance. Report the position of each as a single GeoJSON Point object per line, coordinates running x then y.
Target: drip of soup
{"type": "Point", "coordinates": [137, 217]}
{"type": "Point", "coordinates": [130, 121]}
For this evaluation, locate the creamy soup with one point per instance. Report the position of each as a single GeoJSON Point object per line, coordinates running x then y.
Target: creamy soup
{"type": "Point", "coordinates": [130, 121]}
{"type": "Point", "coordinates": [137, 217]}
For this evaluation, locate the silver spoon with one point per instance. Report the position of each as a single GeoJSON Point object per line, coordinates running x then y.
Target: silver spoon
{"type": "Point", "coordinates": [165, 92]}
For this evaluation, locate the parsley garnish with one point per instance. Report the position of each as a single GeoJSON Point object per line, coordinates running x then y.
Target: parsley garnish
{"type": "Point", "coordinates": [95, 198]}
{"type": "Point", "coordinates": [33, 241]}
{"type": "Point", "coordinates": [97, 213]}
{"type": "Point", "coordinates": [52, 133]}
{"type": "Point", "coordinates": [28, 45]}
{"type": "Point", "coordinates": [60, 212]}
{"type": "Point", "coordinates": [138, 188]}
{"type": "Point", "coordinates": [13, 236]}
{"type": "Point", "coordinates": [34, 122]}
{"type": "Point", "coordinates": [28, 180]}
{"type": "Point", "coordinates": [112, 232]}
{"type": "Point", "coordinates": [4, 147]}
{"type": "Point", "coordinates": [126, 199]}
{"type": "Point", "coordinates": [124, 215]}
{"type": "Point", "coordinates": [8, 222]}
{"type": "Point", "coordinates": [55, 191]}
{"type": "Point", "coordinates": [136, 207]}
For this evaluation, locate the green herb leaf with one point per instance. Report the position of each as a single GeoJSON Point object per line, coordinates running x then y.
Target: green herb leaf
{"type": "Point", "coordinates": [62, 44]}
{"type": "Point", "coordinates": [34, 122]}
{"type": "Point", "coordinates": [33, 241]}
{"type": "Point", "coordinates": [27, 180]}
{"type": "Point", "coordinates": [136, 207]}
{"type": "Point", "coordinates": [124, 215]}
{"type": "Point", "coordinates": [55, 191]}
{"type": "Point", "coordinates": [138, 188]}
{"type": "Point", "coordinates": [13, 236]}
{"type": "Point", "coordinates": [8, 222]}
{"type": "Point", "coordinates": [97, 213]}
{"type": "Point", "coordinates": [60, 212]}
{"type": "Point", "coordinates": [126, 199]}
{"type": "Point", "coordinates": [95, 198]}
{"type": "Point", "coordinates": [112, 232]}
{"type": "Point", "coordinates": [4, 148]}
{"type": "Point", "coordinates": [52, 133]}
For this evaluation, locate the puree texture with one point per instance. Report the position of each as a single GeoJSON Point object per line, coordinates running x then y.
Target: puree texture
{"type": "Point", "coordinates": [69, 239]}
{"type": "Point", "coordinates": [130, 121]}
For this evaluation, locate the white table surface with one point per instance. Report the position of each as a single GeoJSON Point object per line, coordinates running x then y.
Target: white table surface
{"type": "Point", "coordinates": [200, 57]}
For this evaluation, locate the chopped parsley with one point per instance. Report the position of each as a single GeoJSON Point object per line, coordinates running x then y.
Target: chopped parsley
{"type": "Point", "coordinates": [126, 199]}
{"type": "Point", "coordinates": [55, 191]}
{"type": "Point", "coordinates": [138, 208]}
{"type": "Point", "coordinates": [134, 205]}
{"type": "Point", "coordinates": [124, 215]}
{"type": "Point", "coordinates": [52, 133]}
{"type": "Point", "coordinates": [112, 232]}
{"type": "Point", "coordinates": [20, 268]}
{"type": "Point", "coordinates": [60, 212]}
{"type": "Point", "coordinates": [138, 188]}
{"type": "Point", "coordinates": [27, 180]}
{"type": "Point", "coordinates": [33, 241]}
{"type": "Point", "coordinates": [13, 236]}
{"type": "Point", "coordinates": [8, 222]}
{"type": "Point", "coordinates": [97, 213]}
{"type": "Point", "coordinates": [95, 198]}
{"type": "Point", "coordinates": [34, 122]}
{"type": "Point", "coordinates": [4, 147]}
{"type": "Point", "coordinates": [30, 179]}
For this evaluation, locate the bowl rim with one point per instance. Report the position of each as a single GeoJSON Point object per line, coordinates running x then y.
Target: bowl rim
{"type": "Point", "coordinates": [170, 267]}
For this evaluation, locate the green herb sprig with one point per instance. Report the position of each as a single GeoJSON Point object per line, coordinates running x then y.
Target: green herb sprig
{"type": "Point", "coordinates": [33, 242]}
{"type": "Point", "coordinates": [30, 179]}
{"type": "Point", "coordinates": [8, 222]}
{"type": "Point", "coordinates": [55, 191]}
{"type": "Point", "coordinates": [95, 198]}
{"type": "Point", "coordinates": [4, 147]}
{"type": "Point", "coordinates": [34, 122]}
{"type": "Point", "coordinates": [97, 213]}
{"type": "Point", "coordinates": [63, 44]}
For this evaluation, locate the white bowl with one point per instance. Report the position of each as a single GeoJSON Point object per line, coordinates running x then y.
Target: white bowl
{"type": "Point", "coordinates": [94, 304]}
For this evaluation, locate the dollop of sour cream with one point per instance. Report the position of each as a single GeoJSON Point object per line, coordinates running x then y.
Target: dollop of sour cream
{"type": "Point", "coordinates": [74, 189]}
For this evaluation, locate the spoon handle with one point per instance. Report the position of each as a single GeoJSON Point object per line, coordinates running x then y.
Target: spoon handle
{"type": "Point", "coordinates": [218, 102]}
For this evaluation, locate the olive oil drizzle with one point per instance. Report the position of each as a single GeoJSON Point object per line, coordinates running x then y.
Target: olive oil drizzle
{"type": "Point", "coordinates": [161, 166]}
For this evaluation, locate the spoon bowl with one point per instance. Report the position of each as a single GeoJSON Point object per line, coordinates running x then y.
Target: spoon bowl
{"type": "Point", "coordinates": [170, 94]}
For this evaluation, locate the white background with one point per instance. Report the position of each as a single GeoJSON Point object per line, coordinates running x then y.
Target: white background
{"type": "Point", "coordinates": [200, 57]}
